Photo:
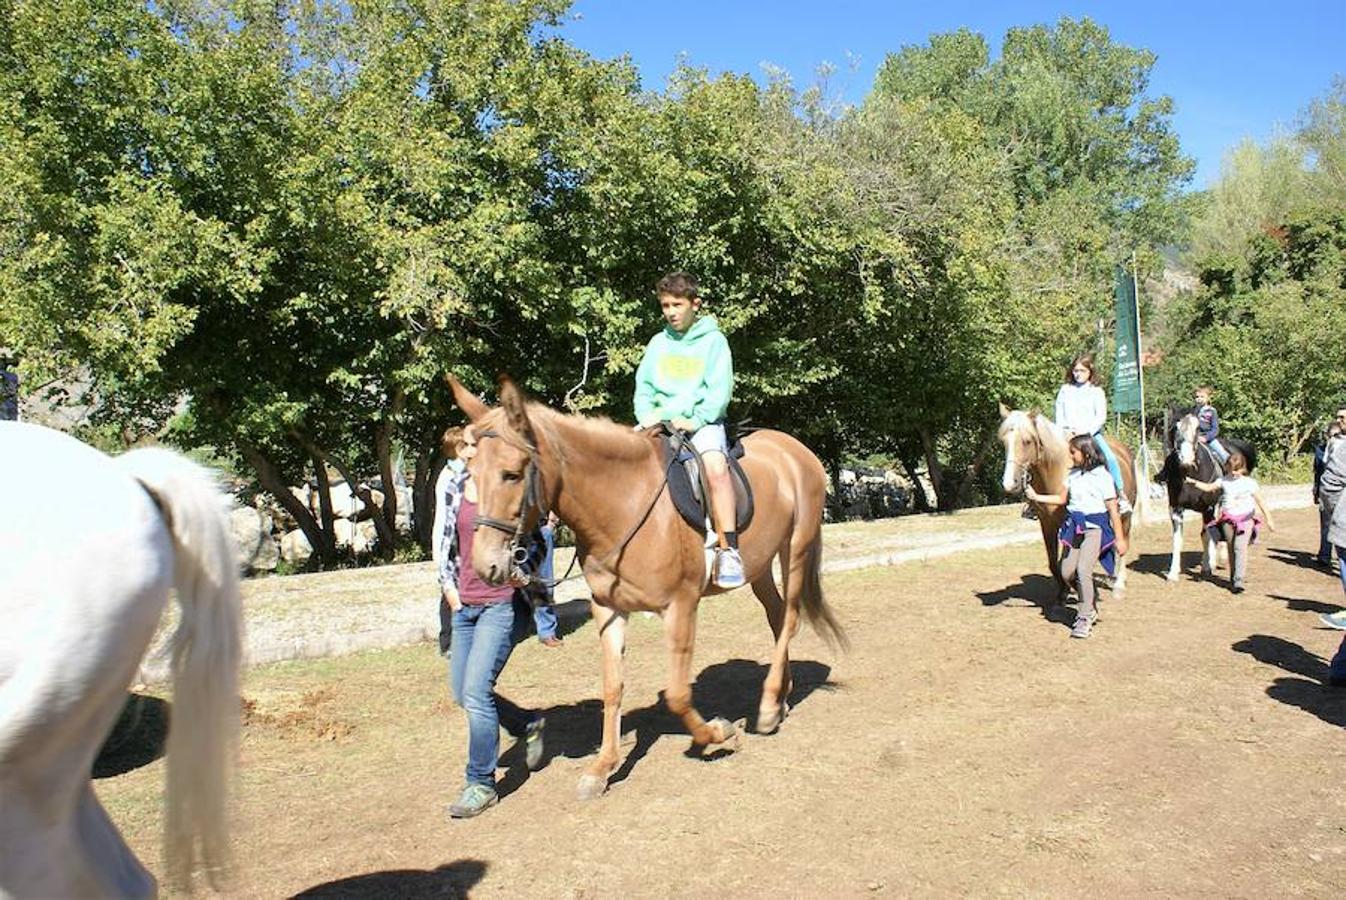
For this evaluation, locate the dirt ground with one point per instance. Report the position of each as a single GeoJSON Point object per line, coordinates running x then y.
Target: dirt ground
{"type": "Point", "coordinates": [964, 746]}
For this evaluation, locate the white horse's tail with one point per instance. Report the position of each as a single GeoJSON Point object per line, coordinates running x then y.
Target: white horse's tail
{"type": "Point", "coordinates": [207, 649]}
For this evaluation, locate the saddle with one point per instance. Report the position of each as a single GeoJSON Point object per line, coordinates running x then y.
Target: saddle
{"type": "Point", "coordinates": [685, 484]}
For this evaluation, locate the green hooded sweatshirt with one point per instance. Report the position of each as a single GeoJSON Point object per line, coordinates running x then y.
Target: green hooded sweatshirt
{"type": "Point", "coordinates": [685, 376]}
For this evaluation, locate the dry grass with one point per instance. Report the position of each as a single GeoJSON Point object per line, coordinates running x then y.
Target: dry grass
{"type": "Point", "coordinates": [966, 746]}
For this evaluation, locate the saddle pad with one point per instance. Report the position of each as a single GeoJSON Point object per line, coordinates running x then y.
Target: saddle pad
{"type": "Point", "coordinates": [687, 497]}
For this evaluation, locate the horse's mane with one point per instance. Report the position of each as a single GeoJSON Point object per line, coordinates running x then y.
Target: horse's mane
{"type": "Point", "coordinates": [1040, 425]}
{"type": "Point", "coordinates": [557, 430]}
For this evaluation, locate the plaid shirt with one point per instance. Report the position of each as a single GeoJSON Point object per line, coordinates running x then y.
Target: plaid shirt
{"type": "Point", "coordinates": [449, 563]}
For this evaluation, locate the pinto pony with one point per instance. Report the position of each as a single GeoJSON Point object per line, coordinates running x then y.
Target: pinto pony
{"type": "Point", "coordinates": [609, 484]}
{"type": "Point", "coordinates": [91, 547]}
{"type": "Point", "coordinates": [1035, 449]}
{"type": "Point", "coordinates": [1189, 457]}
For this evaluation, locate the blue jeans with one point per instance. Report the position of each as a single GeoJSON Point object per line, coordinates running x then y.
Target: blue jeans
{"type": "Point", "coordinates": [1110, 460]}
{"type": "Point", "coordinates": [1336, 669]}
{"type": "Point", "coordinates": [545, 616]}
{"type": "Point", "coordinates": [483, 638]}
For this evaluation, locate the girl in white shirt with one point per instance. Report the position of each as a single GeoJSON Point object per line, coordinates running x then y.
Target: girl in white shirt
{"type": "Point", "coordinates": [1092, 530]}
{"type": "Point", "coordinates": [1239, 515]}
{"type": "Point", "coordinates": [1082, 408]}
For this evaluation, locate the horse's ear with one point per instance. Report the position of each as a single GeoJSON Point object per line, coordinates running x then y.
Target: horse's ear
{"type": "Point", "coordinates": [467, 401]}
{"type": "Point", "coordinates": [515, 403]}
{"type": "Point", "coordinates": [1005, 411]}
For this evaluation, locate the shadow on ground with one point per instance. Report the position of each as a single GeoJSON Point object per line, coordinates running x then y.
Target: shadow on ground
{"type": "Point", "coordinates": [1302, 558]}
{"type": "Point", "coordinates": [1304, 605]}
{"type": "Point", "coordinates": [1158, 563]}
{"type": "Point", "coordinates": [137, 739]}
{"type": "Point", "coordinates": [730, 690]}
{"type": "Point", "coordinates": [454, 880]}
{"type": "Point", "coordinates": [1309, 692]}
{"type": "Point", "coordinates": [1040, 591]}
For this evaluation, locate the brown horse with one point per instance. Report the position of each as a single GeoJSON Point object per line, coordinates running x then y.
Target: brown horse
{"type": "Point", "coordinates": [608, 483]}
{"type": "Point", "coordinates": [1035, 447]}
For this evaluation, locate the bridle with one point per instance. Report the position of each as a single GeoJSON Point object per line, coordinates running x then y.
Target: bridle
{"type": "Point", "coordinates": [534, 499]}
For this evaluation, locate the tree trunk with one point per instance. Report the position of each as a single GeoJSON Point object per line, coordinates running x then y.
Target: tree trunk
{"type": "Point", "coordinates": [273, 481]}
{"type": "Point", "coordinates": [383, 452]}
{"type": "Point", "coordinates": [422, 484]}
{"type": "Point", "coordinates": [324, 498]}
{"type": "Point", "coordinates": [918, 490]}
{"type": "Point", "coordinates": [943, 500]}
{"type": "Point", "coordinates": [386, 545]}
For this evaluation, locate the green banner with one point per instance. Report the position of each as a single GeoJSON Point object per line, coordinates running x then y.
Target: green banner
{"type": "Point", "coordinates": [1126, 377]}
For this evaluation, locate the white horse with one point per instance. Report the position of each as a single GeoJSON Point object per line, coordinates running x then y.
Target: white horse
{"type": "Point", "coordinates": [89, 547]}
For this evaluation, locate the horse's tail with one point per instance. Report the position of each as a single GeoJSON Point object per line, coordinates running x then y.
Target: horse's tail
{"type": "Point", "coordinates": [811, 600]}
{"type": "Point", "coordinates": [1139, 506]}
{"type": "Point", "coordinates": [206, 652]}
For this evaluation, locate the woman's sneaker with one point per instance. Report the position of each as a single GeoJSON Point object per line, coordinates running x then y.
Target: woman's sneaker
{"type": "Point", "coordinates": [1334, 620]}
{"type": "Point", "coordinates": [729, 569]}
{"type": "Point", "coordinates": [476, 799]}
{"type": "Point", "coordinates": [1084, 626]}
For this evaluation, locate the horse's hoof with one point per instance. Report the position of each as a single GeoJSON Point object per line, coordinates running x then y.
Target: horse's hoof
{"type": "Point", "coordinates": [591, 787]}
{"type": "Point", "coordinates": [1172, 577]}
{"type": "Point", "coordinates": [769, 719]}
{"type": "Point", "coordinates": [729, 732]}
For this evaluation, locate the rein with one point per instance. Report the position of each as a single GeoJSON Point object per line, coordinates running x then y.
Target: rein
{"type": "Point", "coordinates": [535, 498]}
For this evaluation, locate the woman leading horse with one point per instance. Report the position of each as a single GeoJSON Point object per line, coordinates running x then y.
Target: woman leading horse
{"type": "Point", "coordinates": [609, 485]}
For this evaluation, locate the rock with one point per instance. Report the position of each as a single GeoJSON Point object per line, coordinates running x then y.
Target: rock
{"type": "Point", "coordinates": [295, 548]}
{"type": "Point", "coordinates": [365, 538]}
{"type": "Point", "coordinates": [251, 529]}
{"type": "Point", "coordinates": [345, 505]}
{"type": "Point", "coordinates": [343, 532]}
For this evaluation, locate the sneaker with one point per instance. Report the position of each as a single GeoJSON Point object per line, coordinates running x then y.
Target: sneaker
{"type": "Point", "coordinates": [476, 799]}
{"type": "Point", "coordinates": [533, 744]}
{"type": "Point", "coordinates": [1334, 620]}
{"type": "Point", "coordinates": [729, 569]}
{"type": "Point", "coordinates": [1084, 626]}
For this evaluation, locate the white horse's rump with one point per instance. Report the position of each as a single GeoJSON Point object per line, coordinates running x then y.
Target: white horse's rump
{"type": "Point", "coordinates": [89, 548]}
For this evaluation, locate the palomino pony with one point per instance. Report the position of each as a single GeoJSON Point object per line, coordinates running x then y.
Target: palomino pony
{"type": "Point", "coordinates": [608, 483]}
{"type": "Point", "coordinates": [91, 547]}
{"type": "Point", "coordinates": [1188, 457]}
{"type": "Point", "coordinates": [1036, 449]}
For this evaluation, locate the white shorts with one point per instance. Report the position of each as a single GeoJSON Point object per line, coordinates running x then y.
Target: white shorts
{"type": "Point", "coordinates": [711, 439]}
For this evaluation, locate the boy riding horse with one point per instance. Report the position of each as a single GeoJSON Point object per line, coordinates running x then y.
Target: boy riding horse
{"type": "Point", "coordinates": [685, 378]}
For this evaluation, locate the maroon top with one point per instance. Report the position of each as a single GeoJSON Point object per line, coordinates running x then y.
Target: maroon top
{"type": "Point", "coordinates": [471, 589]}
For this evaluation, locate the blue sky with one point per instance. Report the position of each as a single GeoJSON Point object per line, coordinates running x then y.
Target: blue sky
{"type": "Point", "coordinates": [1234, 69]}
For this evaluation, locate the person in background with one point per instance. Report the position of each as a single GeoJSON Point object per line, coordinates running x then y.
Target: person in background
{"type": "Point", "coordinates": [544, 613]}
{"type": "Point", "coordinates": [1329, 479]}
{"type": "Point", "coordinates": [1208, 424]}
{"type": "Point", "coordinates": [1238, 517]}
{"type": "Point", "coordinates": [1336, 534]}
{"type": "Point", "coordinates": [450, 444]}
{"type": "Point", "coordinates": [9, 389]}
